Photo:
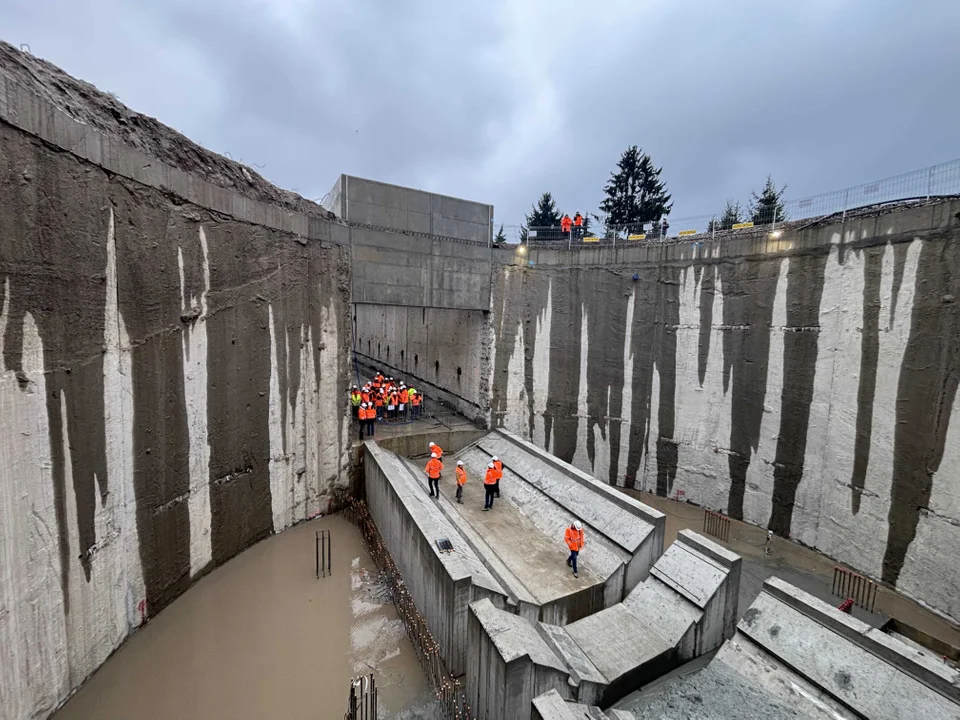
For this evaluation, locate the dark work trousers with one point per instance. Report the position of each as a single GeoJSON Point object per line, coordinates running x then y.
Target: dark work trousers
{"type": "Point", "coordinates": [496, 488]}
{"type": "Point", "coordinates": [371, 426]}
{"type": "Point", "coordinates": [489, 491]}
{"type": "Point", "coordinates": [572, 560]}
{"type": "Point", "coordinates": [459, 492]}
{"type": "Point", "coordinates": [434, 486]}
{"type": "Point", "coordinates": [361, 423]}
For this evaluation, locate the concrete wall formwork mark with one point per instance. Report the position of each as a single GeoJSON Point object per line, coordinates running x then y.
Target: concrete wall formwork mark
{"type": "Point", "coordinates": [160, 387]}
{"type": "Point", "coordinates": [791, 382]}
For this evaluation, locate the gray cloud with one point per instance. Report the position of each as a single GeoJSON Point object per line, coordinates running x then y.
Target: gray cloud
{"type": "Point", "coordinates": [500, 101]}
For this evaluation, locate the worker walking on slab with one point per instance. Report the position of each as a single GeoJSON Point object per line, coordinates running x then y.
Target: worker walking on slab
{"type": "Point", "coordinates": [434, 448]}
{"type": "Point", "coordinates": [434, 468]}
{"type": "Point", "coordinates": [498, 466]}
{"type": "Point", "coordinates": [575, 538]}
{"type": "Point", "coordinates": [461, 481]}
{"type": "Point", "coordinates": [489, 487]}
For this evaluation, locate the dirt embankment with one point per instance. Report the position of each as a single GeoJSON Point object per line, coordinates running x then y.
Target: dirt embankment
{"type": "Point", "coordinates": [85, 103]}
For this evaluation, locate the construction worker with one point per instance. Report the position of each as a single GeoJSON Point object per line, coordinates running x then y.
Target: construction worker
{"type": "Point", "coordinates": [355, 399]}
{"type": "Point", "coordinates": [578, 224]}
{"type": "Point", "coordinates": [404, 401]}
{"type": "Point", "coordinates": [415, 400]}
{"type": "Point", "coordinates": [434, 468]}
{"type": "Point", "coordinates": [378, 404]}
{"type": "Point", "coordinates": [391, 405]}
{"type": "Point", "coordinates": [362, 418]}
{"type": "Point", "coordinates": [434, 448]}
{"type": "Point", "coordinates": [365, 394]}
{"type": "Point", "coordinates": [461, 481]}
{"type": "Point", "coordinates": [565, 224]}
{"type": "Point", "coordinates": [371, 420]}
{"type": "Point", "coordinates": [498, 466]}
{"type": "Point", "coordinates": [489, 487]}
{"type": "Point", "coordinates": [574, 538]}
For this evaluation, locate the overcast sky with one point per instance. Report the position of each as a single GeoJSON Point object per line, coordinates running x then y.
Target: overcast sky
{"type": "Point", "coordinates": [498, 101]}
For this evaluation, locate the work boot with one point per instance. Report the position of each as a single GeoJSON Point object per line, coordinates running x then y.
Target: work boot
{"type": "Point", "coordinates": [485, 508]}
{"type": "Point", "coordinates": [569, 562]}
{"type": "Point", "coordinates": [575, 575]}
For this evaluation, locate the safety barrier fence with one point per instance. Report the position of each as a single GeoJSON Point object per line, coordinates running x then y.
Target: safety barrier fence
{"type": "Point", "coordinates": [362, 701]}
{"type": "Point", "coordinates": [449, 691]}
{"type": "Point", "coordinates": [853, 586]}
{"type": "Point", "coordinates": [717, 525]}
{"type": "Point", "coordinates": [324, 554]}
{"type": "Point", "coordinates": [923, 184]}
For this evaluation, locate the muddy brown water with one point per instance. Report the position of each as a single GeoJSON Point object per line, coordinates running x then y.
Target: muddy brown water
{"type": "Point", "coordinates": [261, 637]}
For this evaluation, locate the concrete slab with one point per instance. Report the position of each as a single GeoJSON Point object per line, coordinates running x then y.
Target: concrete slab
{"type": "Point", "coordinates": [514, 637]}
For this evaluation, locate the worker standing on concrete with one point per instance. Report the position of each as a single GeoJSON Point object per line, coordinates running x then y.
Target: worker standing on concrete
{"type": "Point", "coordinates": [461, 481]}
{"type": "Point", "coordinates": [434, 448]}
{"type": "Point", "coordinates": [362, 418]}
{"type": "Point", "coordinates": [434, 468]}
{"type": "Point", "coordinates": [404, 401]}
{"type": "Point", "coordinates": [355, 399]}
{"type": "Point", "coordinates": [415, 401]}
{"type": "Point", "coordinates": [489, 487]}
{"type": "Point", "coordinates": [575, 538]}
{"type": "Point", "coordinates": [565, 223]}
{"type": "Point", "coordinates": [498, 466]}
{"type": "Point", "coordinates": [371, 419]}
{"type": "Point", "coordinates": [391, 405]}
{"type": "Point", "coordinates": [378, 404]}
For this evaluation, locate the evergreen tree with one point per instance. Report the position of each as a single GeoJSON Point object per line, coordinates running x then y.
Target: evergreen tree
{"type": "Point", "coordinates": [500, 238]}
{"type": "Point", "coordinates": [544, 214]}
{"type": "Point", "coordinates": [635, 194]}
{"type": "Point", "coordinates": [524, 233]}
{"type": "Point", "coordinates": [767, 207]}
{"type": "Point", "coordinates": [732, 214]}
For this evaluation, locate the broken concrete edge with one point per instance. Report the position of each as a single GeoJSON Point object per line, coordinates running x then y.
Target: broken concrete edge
{"type": "Point", "coordinates": [932, 673]}
{"type": "Point", "coordinates": [23, 109]}
{"type": "Point", "coordinates": [645, 512]}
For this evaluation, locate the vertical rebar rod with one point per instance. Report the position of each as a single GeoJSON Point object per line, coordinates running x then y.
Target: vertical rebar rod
{"type": "Point", "coordinates": [323, 553]}
{"type": "Point", "coordinates": [329, 553]}
{"type": "Point", "coordinates": [317, 549]}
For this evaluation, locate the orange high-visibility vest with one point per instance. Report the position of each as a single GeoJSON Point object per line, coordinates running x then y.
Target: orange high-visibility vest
{"type": "Point", "coordinates": [434, 466]}
{"type": "Point", "coordinates": [378, 401]}
{"type": "Point", "coordinates": [491, 477]}
{"type": "Point", "coordinates": [416, 399]}
{"type": "Point", "coordinates": [438, 450]}
{"type": "Point", "coordinates": [404, 396]}
{"type": "Point", "coordinates": [578, 220]}
{"type": "Point", "coordinates": [498, 466]}
{"type": "Point", "coordinates": [365, 396]}
{"type": "Point", "coordinates": [461, 475]}
{"type": "Point", "coordinates": [574, 538]}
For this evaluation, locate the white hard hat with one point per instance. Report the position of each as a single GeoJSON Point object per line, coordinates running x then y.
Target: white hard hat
{"type": "Point", "coordinates": [433, 455]}
{"type": "Point", "coordinates": [432, 443]}
{"type": "Point", "coordinates": [577, 525]}
{"type": "Point", "coordinates": [459, 462]}
{"type": "Point", "coordinates": [495, 458]}
{"type": "Point", "coordinates": [490, 466]}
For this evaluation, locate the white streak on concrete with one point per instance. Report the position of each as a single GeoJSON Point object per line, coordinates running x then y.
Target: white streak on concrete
{"type": "Point", "coordinates": [34, 672]}
{"type": "Point", "coordinates": [194, 340]}
{"type": "Point", "coordinates": [279, 481]}
{"type": "Point", "coordinates": [580, 458]}
{"type": "Point", "coordinates": [516, 418]}
{"type": "Point", "coordinates": [626, 412]}
{"type": "Point", "coordinates": [541, 370]}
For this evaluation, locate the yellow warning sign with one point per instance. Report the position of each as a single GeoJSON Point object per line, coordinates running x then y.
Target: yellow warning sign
{"type": "Point", "coordinates": [641, 236]}
{"type": "Point", "coordinates": [740, 226]}
{"type": "Point", "coordinates": [682, 233]}
{"type": "Point", "coordinates": [591, 238]}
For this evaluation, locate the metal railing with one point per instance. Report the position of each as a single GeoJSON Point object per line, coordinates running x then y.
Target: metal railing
{"type": "Point", "coordinates": [362, 700]}
{"type": "Point", "coordinates": [926, 183]}
{"type": "Point", "coordinates": [852, 586]}
{"type": "Point", "coordinates": [324, 552]}
{"type": "Point", "coordinates": [717, 525]}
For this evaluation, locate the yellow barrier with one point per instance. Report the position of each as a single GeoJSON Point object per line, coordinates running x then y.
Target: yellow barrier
{"type": "Point", "coordinates": [683, 233]}
{"type": "Point", "coordinates": [642, 236]}
{"type": "Point", "coordinates": [591, 238]}
{"type": "Point", "coordinates": [741, 226]}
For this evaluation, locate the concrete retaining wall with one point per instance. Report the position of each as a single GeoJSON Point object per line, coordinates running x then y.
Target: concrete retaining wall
{"type": "Point", "coordinates": [169, 352]}
{"type": "Point", "coordinates": [805, 383]}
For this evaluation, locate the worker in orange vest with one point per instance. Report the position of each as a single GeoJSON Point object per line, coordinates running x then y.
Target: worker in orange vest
{"type": "Point", "coordinates": [365, 394]}
{"type": "Point", "coordinates": [575, 538]}
{"type": "Point", "coordinates": [461, 481]}
{"type": "Point", "coordinates": [371, 419]}
{"type": "Point", "coordinates": [498, 466]}
{"type": "Point", "coordinates": [434, 448]}
{"type": "Point", "coordinates": [415, 401]}
{"type": "Point", "coordinates": [578, 224]}
{"type": "Point", "coordinates": [434, 468]}
{"type": "Point", "coordinates": [489, 487]}
{"type": "Point", "coordinates": [565, 224]}
{"type": "Point", "coordinates": [362, 418]}
{"type": "Point", "coordinates": [404, 401]}
{"type": "Point", "coordinates": [378, 404]}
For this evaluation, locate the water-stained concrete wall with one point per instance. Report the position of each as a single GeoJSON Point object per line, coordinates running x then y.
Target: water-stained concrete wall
{"type": "Point", "coordinates": [806, 383]}
{"type": "Point", "coordinates": [165, 393]}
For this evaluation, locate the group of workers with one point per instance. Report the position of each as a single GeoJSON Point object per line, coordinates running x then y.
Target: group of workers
{"type": "Point", "coordinates": [386, 400]}
{"type": "Point", "coordinates": [566, 224]}
{"type": "Point", "coordinates": [573, 536]}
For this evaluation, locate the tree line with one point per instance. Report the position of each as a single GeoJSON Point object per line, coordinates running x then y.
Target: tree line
{"type": "Point", "coordinates": [635, 196]}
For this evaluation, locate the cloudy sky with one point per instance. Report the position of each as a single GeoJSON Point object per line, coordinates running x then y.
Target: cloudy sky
{"type": "Point", "coordinates": [498, 101]}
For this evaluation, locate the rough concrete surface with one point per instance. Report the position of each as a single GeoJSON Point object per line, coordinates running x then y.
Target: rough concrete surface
{"type": "Point", "coordinates": [805, 383]}
{"type": "Point", "coordinates": [163, 373]}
